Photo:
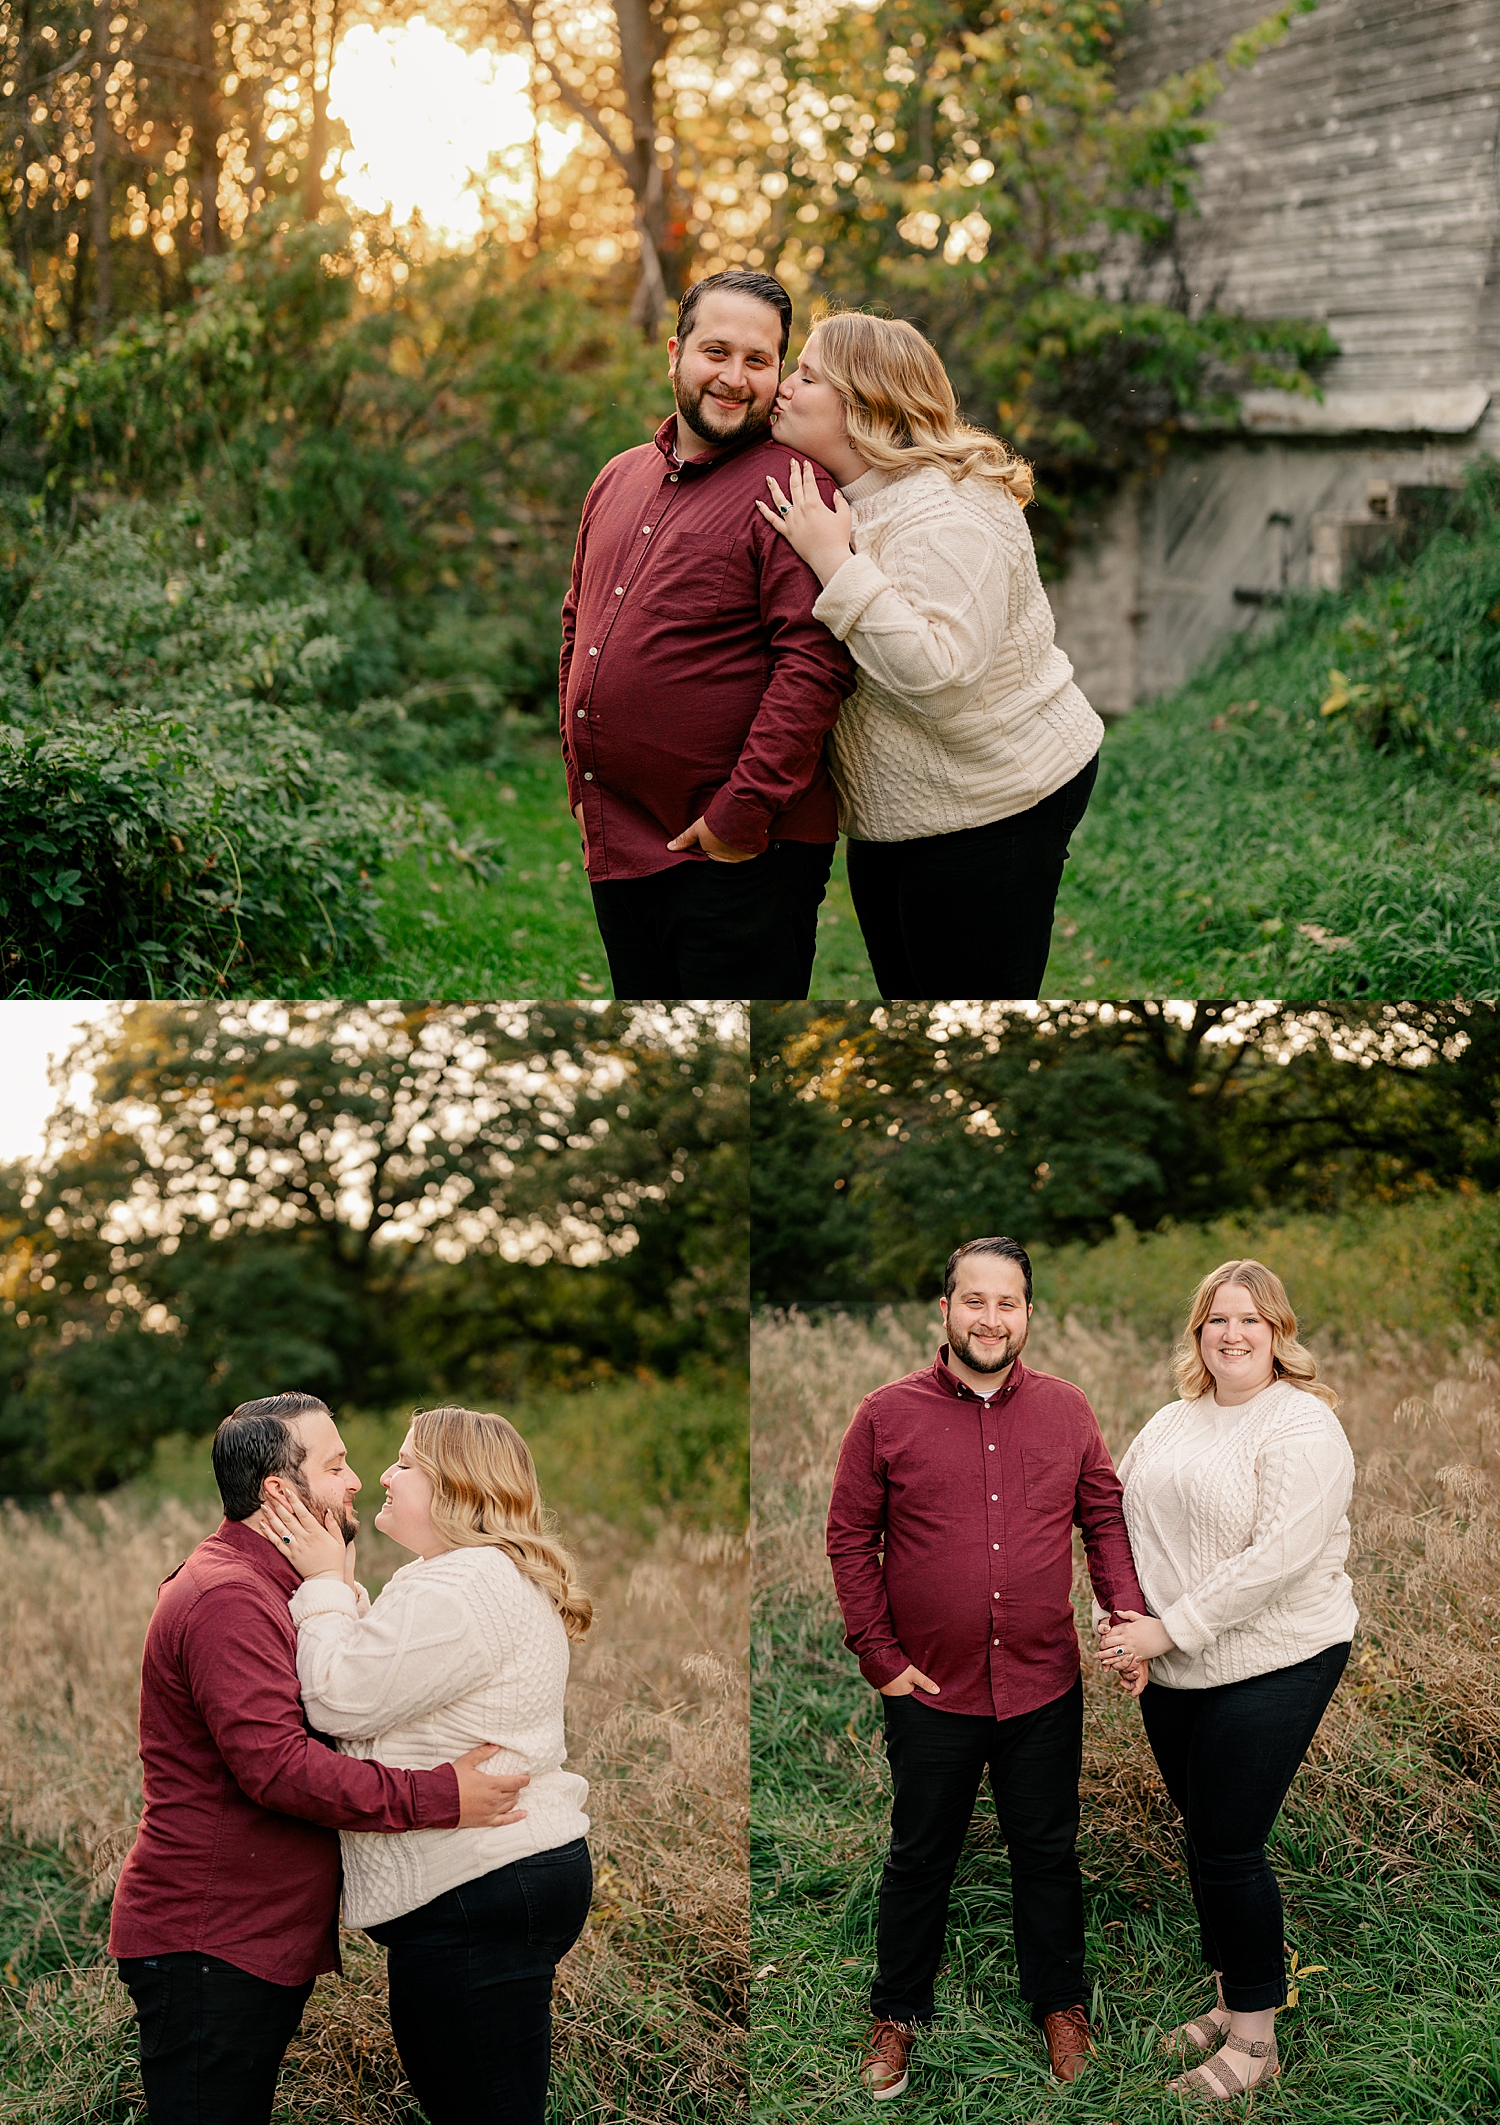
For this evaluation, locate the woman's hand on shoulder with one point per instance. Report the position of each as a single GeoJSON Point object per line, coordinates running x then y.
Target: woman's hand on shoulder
{"type": "Point", "coordinates": [314, 1548]}
{"type": "Point", "coordinates": [822, 536]}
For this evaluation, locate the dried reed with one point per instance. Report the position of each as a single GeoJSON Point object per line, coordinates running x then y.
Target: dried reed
{"type": "Point", "coordinates": [1413, 1735]}
{"type": "Point", "coordinates": [649, 2004]}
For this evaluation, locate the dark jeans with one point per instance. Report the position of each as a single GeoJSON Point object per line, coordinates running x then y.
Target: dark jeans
{"type": "Point", "coordinates": [212, 2037]}
{"type": "Point", "coordinates": [968, 914]}
{"type": "Point", "coordinates": [937, 1760]}
{"type": "Point", "coordinates": [471, 1987]}
{"type": "Point", "coordinates": [1228, 1756]}
{"type": "Point", "coordinates": [717, 929]}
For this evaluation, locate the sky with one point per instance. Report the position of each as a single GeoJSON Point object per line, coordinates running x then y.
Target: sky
{"type": "Point", "coordinates": [425, 116]}
{"type": "Point", "coordinates": [31, 1035]}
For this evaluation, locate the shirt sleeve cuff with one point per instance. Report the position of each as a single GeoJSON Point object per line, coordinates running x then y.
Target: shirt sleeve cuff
{"type": "Point", "coordinates": [437, 1798]}
{"type": "Point", "coordinates": [323, 1597]}
{"type": "Point", "coordinates": [880, 1668]}
{"type": "Point", "coordinates": [1185, 1628]}
{"type": "Point", "coordinates": [740, 823]}
{"type": "Point", "coordinates": [842, 601]}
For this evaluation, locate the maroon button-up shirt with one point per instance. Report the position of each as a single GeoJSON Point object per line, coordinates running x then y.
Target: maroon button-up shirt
{"type": "Point", "coordinates": [236, 1855]}
{"type": "Point", "coordinates": [694, 679]}
{"type": "Point", "coordinates": [974, 1505]}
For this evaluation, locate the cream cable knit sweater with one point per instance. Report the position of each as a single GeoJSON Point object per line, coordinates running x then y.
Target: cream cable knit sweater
{"type": "Point", "coordinates": [1238, 1522]}
{"type": "Point", "coordinates": [965, 710]}
{"type": "Point", "coordinates": [457, 1649]}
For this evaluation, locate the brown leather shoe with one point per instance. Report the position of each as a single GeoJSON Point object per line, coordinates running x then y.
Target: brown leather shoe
{"type": "Point", "coordinates": [884, 2071]}
{"type": "Point", "coordinates": [1068, 2041]}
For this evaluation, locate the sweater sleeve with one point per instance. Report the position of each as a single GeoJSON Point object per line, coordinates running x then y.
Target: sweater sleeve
{"type": "Point", "coordinates": [927, 622]}
{"type": "Point", "coordinates": [417, 1648]}
{"type": "Point", "coordinates": [1305, 1479]}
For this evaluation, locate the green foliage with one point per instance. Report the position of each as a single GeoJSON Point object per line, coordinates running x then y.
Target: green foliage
{"type": "Point", "coordinates": [1314, 813]}
{"type": "Point", "coordinates": [884, 1138]}
{"type": "Point", "coordinates": [376, 1203]}
{"type": "Point", "coordinates": [976, 171]}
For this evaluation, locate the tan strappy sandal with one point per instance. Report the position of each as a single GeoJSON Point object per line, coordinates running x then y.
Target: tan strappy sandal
{"type": "Point", "coordinates": [1215, 2081]}
{"type": "Point", "coordinates": [1203, 2035]}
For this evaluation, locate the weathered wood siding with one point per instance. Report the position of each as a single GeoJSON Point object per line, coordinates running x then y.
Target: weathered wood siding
{"type": "Point", "coordinates": [1354, 179]}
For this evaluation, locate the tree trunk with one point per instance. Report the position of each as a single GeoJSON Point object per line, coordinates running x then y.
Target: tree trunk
{"type": "Point", "coordinates": [206, 123]}
{"type": "Point", "coordinates": [641, 46]}
{"type": "Point", "coordinates": [317, 142]}
{"type": "Point", "coordinates": [104, 277]}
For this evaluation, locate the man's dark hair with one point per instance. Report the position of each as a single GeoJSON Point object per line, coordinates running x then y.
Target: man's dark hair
{"type": "Point", "coordinates": [765, 287]}
{"type": "Point", "coordinates": [256, 1441]}
{"type": "Point", "coordinates": [1008, 1251]}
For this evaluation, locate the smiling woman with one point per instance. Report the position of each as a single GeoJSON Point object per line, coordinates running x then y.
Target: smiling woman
{"type": "Point", "coordinates": [437, 132]}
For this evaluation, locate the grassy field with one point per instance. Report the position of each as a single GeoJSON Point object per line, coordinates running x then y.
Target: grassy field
{"type": "Point", "coordinates": [650, 2004]}
{"type": "Point", "coordinates": [1387, 1849]}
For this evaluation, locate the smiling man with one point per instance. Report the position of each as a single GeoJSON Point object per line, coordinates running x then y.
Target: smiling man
{"type": "Point", "coordinates": [950, 1533]}
{"type": "Point", "coordinates": [227, 1905]}
{"type": "Point", "coordinates": [696, 688]}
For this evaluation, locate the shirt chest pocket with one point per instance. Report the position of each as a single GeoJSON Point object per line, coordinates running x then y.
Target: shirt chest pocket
{"type": "Point", "coordinates": [685, 574]}
{"type": "Point", "coordinates": [1050, 1484]}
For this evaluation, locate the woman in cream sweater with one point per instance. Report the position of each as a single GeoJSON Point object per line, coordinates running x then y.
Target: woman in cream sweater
{"type": "Point", "coordinates": [471, 1639]}
{"type": "Point", "coordinates": [965, 757]}
{"type": "Point", "coordinates": [1237, 1502]}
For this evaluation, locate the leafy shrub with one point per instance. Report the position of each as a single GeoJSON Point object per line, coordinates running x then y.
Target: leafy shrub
{"type": "Point", "coordinates": [174, 810]}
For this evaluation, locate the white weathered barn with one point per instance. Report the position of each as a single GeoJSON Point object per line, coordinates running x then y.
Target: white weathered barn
{"type": "Point", "coordinates": [1355, 178]}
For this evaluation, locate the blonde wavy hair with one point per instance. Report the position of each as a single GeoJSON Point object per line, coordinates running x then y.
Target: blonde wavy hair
{"type": "Point", "coordinates": [485, 1494]}
{"type": "Point", "coordinates": [899, 407]}
{"type": "Point", "coordinates": [1289, 1360]}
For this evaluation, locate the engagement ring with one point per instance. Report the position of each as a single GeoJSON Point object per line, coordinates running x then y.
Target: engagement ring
{"type": "Point", "coordinates": [785, 509]}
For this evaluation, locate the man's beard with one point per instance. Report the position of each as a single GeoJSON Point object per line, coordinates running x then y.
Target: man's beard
{"type": "Point", "coordinates": [993, 1357]}
{"type": "Point", "coordinates": [346, 1516]}
{"type": "Point", "coordinates": [690, 406]}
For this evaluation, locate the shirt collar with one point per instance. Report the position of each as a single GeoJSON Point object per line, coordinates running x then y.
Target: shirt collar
{"type": "Point", "coordinates": [245, 1542]}
{"type": "Point", "coordinates": [665, 440]}
{"type": "Point", "coordinates": [951, 1384]}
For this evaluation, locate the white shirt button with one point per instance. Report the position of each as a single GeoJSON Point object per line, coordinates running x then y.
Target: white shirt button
{"type": "Point", "coordinates": [581, 714]}
{"type": "Point", "coordinates": [992, 1449]}
{"type": "Point", "coordinates": [995, 1641]}
{"type": "Point", "coordinates": [619, 590]}
{"type": "Point", "coordinates": [994, 1494]}
{"type": "Point", "coordinates": [994, 1545]}
{"type": "Point", "coordinates": [997, 1593]}
{"type": "Point", "coordinates": [593, 652]}
{"type": "Point", "coordinates": [644, 529]}
{"type": "Point", "coordinates": [589, 778]}
{"type": "Point", "coordinates": [672, 477]}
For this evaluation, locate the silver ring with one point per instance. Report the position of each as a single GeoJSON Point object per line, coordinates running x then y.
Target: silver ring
{"type": "Point", "coordinates": [287, 1540]}
{"type": "Point", "coordinates": [785, 509]}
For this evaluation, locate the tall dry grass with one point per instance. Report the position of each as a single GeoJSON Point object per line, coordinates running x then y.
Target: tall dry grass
{"type": "Point", "coordinates": [649, 2004]}
{"type": "Point", "coordinates": [1412, 1739]}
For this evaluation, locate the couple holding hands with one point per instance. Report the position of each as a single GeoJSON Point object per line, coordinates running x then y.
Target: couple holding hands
{"type": "Point", "coordinates": [1217, 1559]}
{"type": "Point", "coordinates": [288, 1723]}
{"type": "Point", "coordinates": [808, 604]}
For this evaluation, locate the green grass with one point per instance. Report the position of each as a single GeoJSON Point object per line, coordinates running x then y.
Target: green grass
{"type": "Point", "coordinates": [1402, 2025]}
{"type": "Point", "coordinates": [528, 931]}
{"type": "Point", "coordinates": [842, 967]}
{"type": "Point", "coordinates": [1243, 841]}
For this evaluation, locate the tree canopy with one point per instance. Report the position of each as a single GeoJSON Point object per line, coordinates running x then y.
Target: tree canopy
{"type": "Point", "coordinates": [372, 1201]}
{"type": "Point", "coordinates": [884, 1133]}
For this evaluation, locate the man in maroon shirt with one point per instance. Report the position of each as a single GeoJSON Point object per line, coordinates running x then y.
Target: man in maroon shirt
{"type": "Point", "coordinates": [969, 1476]}
{"type": "Point", "coordinates": [696, 687]}
{"type": "Point", "coordinates": [227, 1906]}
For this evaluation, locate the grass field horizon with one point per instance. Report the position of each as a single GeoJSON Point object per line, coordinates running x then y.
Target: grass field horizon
{"type": "Point", "coordinates": [650, 2004]}
{"type": "Point", "coordinates": [1387, 1851]}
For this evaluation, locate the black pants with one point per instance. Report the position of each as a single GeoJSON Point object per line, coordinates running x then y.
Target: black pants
{"type": "Point", "coordinates": [1228, 1756]}
{"type": "Point", "coordinates": [212, 2037]}
{"type": "Point", "coordinates": [968, 914]}
{"type": "Point", "coordinates": [937, 1760]}
{"type": "Point", "coordinates": [471, 1987]}
{"type": "Point", "coordinates": [717, 929]}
